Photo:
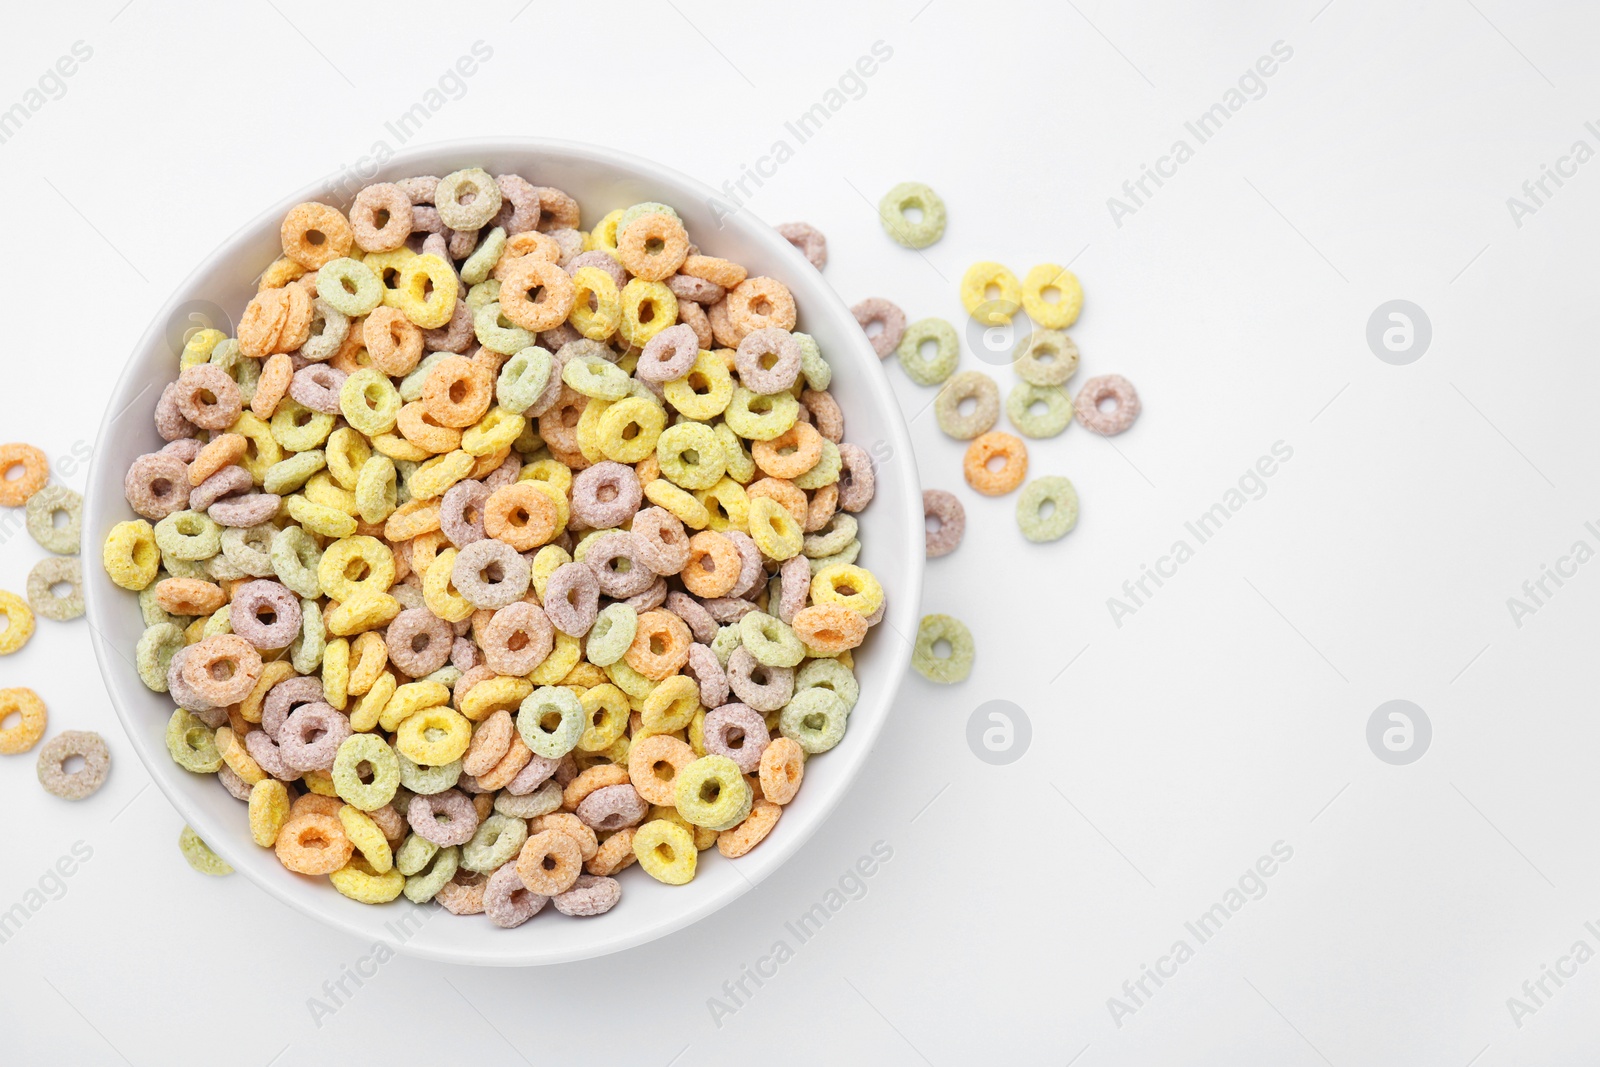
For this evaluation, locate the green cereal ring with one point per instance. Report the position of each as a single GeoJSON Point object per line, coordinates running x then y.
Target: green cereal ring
{"type": "Point", "coordinates": [1056, 416]}
{"type": "Point", "coordinates": [446, 676]}
{"type": "Point", "coordinates": [550, 720]}
{"type": "Point", "coordinates": [826, 471]}
{"type": "Point", "coordinates": [770, 640]}
{"type": "Point", "coordinates": [151, 612]}
{"type": "Point", "coordinates": [648, 207]}
{"type": "Point", "coordinates": [907, 196]}
{"type": "Point", "coordinates": [611, 634]}
{"type": "Point", "coordinates": [295, 558]}
{"type": "Point", "coordinates": [403, 470]}
{"type": "Point", "coordinates": [377, 488]}
{"type": "Point", "coordinates": [968, 385]}
{"type": "Point", "coordinates": [498, 333]}
{"type": "Point", "coordinates": [306, 652]}
{"type": "Point", "coordinates": [414, 854]}
{"type": "Point", "coordinates": [189, 536]}
{"type": "Point", "coordinates": [728, 638]}
{"type": "Point", "coordinates": [412, 384]}
{"type": "Point", "coordinates": [483, 260]}
{"type": "Point", "coordinates": [484, 292]}
{"type": "Point", "coordinates": [691, 455]}
{"type": "Point", "coordinates": [157, 645]}
{"type": "Point", "coordinates": [426, 781]}
{"type": "Point", "coordinates": [287, 475]}
{"type": "Point", "coordinates": [495, 843]}
{"type": "Point", "coordinates": [369, 755]}
{"type": "Point", "coordinates": [834, 537]}
{"type": "Point", "coordinates": [325, 342]}
{"type": "Point", "coordinates": [523, 379]}
{"type": "Point", "coordinates": [1048, 357]}
{"type": "Point", "coordinates": [832, 675]}
{"type": "Point", "coordinates": [542, 801]}
{"type": "Point", "coordinates": [221, 568]}
{"type": "Point", "coordinates": [597, 377]}
{"type": "Point", "coordinates": [813, 368]}
{"type": "Point", "coordinates": [249, 548]}
{"type": "Point", "coordinates": [629, 680]}
{"type": "Point", "coordinates": [183, 568]}
{"type": "Point", "coordinates": [200, 856]}
{"type": "Point", "coordinates": [349, 287]}
{"type": "Point", "coordinates": [220, 622]}
{"type": "Point", "coordinates": [741, 466]}
{"type": "Point", "coordinates": [1039, 525]}
{"type": "Point", "coordinates": [943, 669]}
{"type": "Point", "coordinates": [433, 876]}
{"type": "Point", "coordinates": [470, 214]}
{"type": "Point", "coordinates": [245, 372]}
{"type": "Point", "coordinates": [760, 416]}
{"type": "Point", "coordinates": [192, 744]}
{"type": "Point", "coordinates": [369, 401]}
{"type": "Point", "coordinates": [299, 429]}
{"type": "Point", "coordinates": [42, 580]}
{"type": "Point", "coordinates": [41, 519]}
{"type": "Point", "coordinates": [947, 352]}
{"type": "Point", "coordinates": [712, 792]}
{"type": "Point", "coordinates": [815, 719]}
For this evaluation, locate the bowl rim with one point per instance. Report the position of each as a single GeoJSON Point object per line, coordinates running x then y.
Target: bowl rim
{"type": "Point", "coordinates": [114, 664]}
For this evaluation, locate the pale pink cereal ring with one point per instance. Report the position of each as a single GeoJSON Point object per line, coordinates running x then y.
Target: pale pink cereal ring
{"type": "Point", "coordinates": [650, 599]}
{"type": "Point", "coordinates": [661, 542]}
{"type": "Point", "coordinates": [706, 670]}
{"type": "Point", "coordinates": [726, 609]}
{"type": "Point", "coordinates": [185, 448]}
{"type": "Point", "coordinates": [612, 807]}
{"type": "Point", "coordinates": [309, 739]}
{"type": "Point", "coordinates": [670, 354]}
{"type": "Point", "coordinates": [605, 495]}
{"type": "Point", "coordinates": [456, 336]}
{"type": "Point", "coordinates": [462, 242]}
{"type": "Point", "coordinates": [794, 587]}
{"type": "Point", "coordinates": [464, 653]}
{"type": "Point", "coordinates": [420, 642]}
{"type": "Point", "coordinates": [380, 218]}
{"type": "Point", "coordinates": [809, 240]}
{"type": "Point", "coordinates": [252, 509]}
{"type": "Point", "coordinates": [763, 688]}
{"type": "Point", "coordinates": [695, 616]}
{"type": "Point", "coordinates": [419, 189]}
{"type": "Point", "coordinates": [825, 414]}
{"type": "Point", "coordinates": [208, 397]}
{"type": "Point", "coordinates": [693, 316]}
{"type": "Point", "coordinates": [572, 598]}
{"type": "Point", "coordinates": [1096, 391]}
{"type": "Point", "coordinates": [891, 323]}
{"type": "Point", "coordinates": [446, 818]}
{"type": "Point", "coordinates": [857, 482]}
{"type": "Point", "coordinates": [283, 698]}
{"type": "Point", "coordinates": [170, 423]}
{"type": "Point", "coordinates": [738, 732]}
{"type": "Point", "coordinates": [537, 772]}
{"type": "Point", "coordinates": [752, 571]}
{"type": "Point", "coordinates": [554, 340]}
{"type": "Point", "coordinates": [591, 894]}
{"type": "Point", "coordinates": [182, 693]}
{"type": "Point", "coordinates": [268, 756]}
{"type": "Point", "coordinates": [226, 482]}
{"type": "Point", "coordinates": [517, 639]}
{"type": "Point", "coordinates": [461, 512]}
{"type": "Point", "coordinates": [695, 290]}
{"type": "Point", "coordinates": [265, 613]}
{"type": "Point", "coordinates": [609, 549]}
{"type": "Point", "coordinates": [317, 387]}
{"type": "Point", "coordinates": [490, 574]}
{"type": "Point", "coordinates": [768, 360]}
{"type": "Point", "coordinates": [156, 485]}
{"type": "Point", "coordinates": [945, 508]}
{"type": "Point", "coordinates": [557, 210]}
{"type": "Point", "coordinates": [463, 894]}
{"type": "Point", "coordinates": [507, 902]}
{"type": "Point", "coordinates": [504, 474]}
{"type": "Point", "coordinates": [237, 787]}
{"type": "Point", "coordinates": [519, 205]}
{"type": "Point", "coordinates": [601, 260]}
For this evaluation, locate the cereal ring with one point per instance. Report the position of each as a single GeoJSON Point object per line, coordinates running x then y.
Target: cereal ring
{"type": "Point", "coordinates": [782, 768]}
{"type": "Point", "coordinates": [611, 808]}
{"type": "Point", "coordinates": [490, 574]}
{"type": "Point", "coordinates": [832, 675]}
{"type": "Point", "coordinates": [519, 204]}
{"type": "Point", "coordinates": [42, 508]}
{"type": "Point", "coordinates": [18, 623]}
{"type": "Point", "coordinates": [362, 756]}
{"type": "Point", "coordinates": [934, 630]}
{"type": "Point", "coordinates": [647, 309]}
{"type": "Point", "coordinates": [557, 210]}
{"type": "Point", "coordinates": [752, 831]}
{"type": "Point", "coordinates": [815, 720]}
{"type": "Point", "coordinates": [313, 843]}
{"type": "Point", "coordinates": [929, 370]}
{"type": "Point", "coordinates": [712, 792]}
{"type": "Point", "coordinates": [772, 643]}
{"type": "Point", "coordinates": [419, 642]}
{"type": "Point", "coordinates": [827, 628]}
{"type": "Point", "coordinates": [427, 291]}
{"type": "Point", "coordinates": [665, 851]}
{"type": "Point", "coordinates": [762, 687]}
{"type": "Point", "coordinates": [555, 297]}
{"type": "Point", "coordinates": [86, 779]}
{"type": "Point", "coordinates": [445, 818]}
{"type": "Point", "coordinates": [35, 472]}
{"type": "Point", "coordinates": [1055, 417]}
{"type": "Point", "coordinates": [433, 881]}
{"type": "Point", "coordinates": [592, 894]}
{"type": "Point", "coordinates": [394, 343]}
{"type": "Point", "coordinates": [857, 481]}
{"type": "Point", "coordinates": [507, 902]}
{"type": "Point", "coordinates": [1040, 525]}
{"type": "Point", "coordinates": [989, 310]}
{"type": "Point", "coordinates": [380, 218]}
{"type": "Point", "coordinates": [968, 385]}
{"type": "Point", "coordinates": [130, 556]}
{"type": "Point", "coordinates": [737, 732]}
{"type": "Point", "coordinates": [466, 199]}
{"type": "Point", "coordinates": [1119, 392]}
{"type": "Point", "coordinates": [668, 355]}
{"type": "Point", "coordinates": [694, 291]}
{"type": "Point", "coordinates": [1047, 358]}
{"type": "Point", "coordinates": [157, 485]}
{"type": "Point", "coordinates": [987, 480]}
{"type": "Point", "coordinates": [551, 720]}
{"type": "Point", "coordinates": [605, 495]}
{"type": "Point", "coordinates": [572, 599]}
{"type": "Point", "coordinates": [950, 518]}
{"type": "Point", "coordinates": [494, 844]}
{"type": "Point", "coordinates": [458, 392]}
{"type": "Point", "coordinates": [1060, 313]}
{"type": "Point", "coordinates": [617, 565]}
{"type": "Point", "coordinates": [199, 856]}
{"type": "Point", "coordinates": [330, 329]}
{"type": "Point", "coordinates": [549, 863]}
{"type": "Point", "coordinates": [221, 670]}
{"type": "Point", "coordinates": [349, 287]}
{"type": "Point", "coordinates": [48, 573]}
{"type": "Point", "coordinates": [927, 228]}
{"type": "Point", "coordinates": [713, 566]}
{"type": "Point", "coordinates": [310, 737]}
{"type": "Point", "coordinates": [314, 234]}
{"type": "Point", "coordinates": [808, 239]}
{"type": "Point", "coordinates": [517, 639]}
{"type": "Point", "coordinates": [760, 303]}
{"type": "Point", "coordinates": [630, 429]}
{"type": "Point", "coordinates": [32, 718]}
{"type": "Point", "coordinates": [521, 514]}
{"type": "Point", "coordinates": [768, 360]}
{"type": "Point", "coordinates": [652, 246]}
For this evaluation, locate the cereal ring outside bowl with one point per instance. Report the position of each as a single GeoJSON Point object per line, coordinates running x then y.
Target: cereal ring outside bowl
{"type": "Point", "coordinates": [599, 180]}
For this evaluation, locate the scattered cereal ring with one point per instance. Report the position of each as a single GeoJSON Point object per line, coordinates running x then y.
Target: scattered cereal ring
{"type": "Point", "coordinates": [198, 854]}
{"type": "Point", "coordinates": [1048, 357]}
{"type": "Point", "coordinates": [954, 667]}
{"type": "Point", "coordinates": [985, 396]}
{"type": "Point", "coordinates": [35, 471]}
{"type": "Point", "coordinates": [18, 623]}
{"type": "Point", "coordinates": [929, 370]}
{"type": "Point", "coordinates": [946, 510]}
{"type": "Point", "coordinates": [42, 508]}
{"type": "Point", "coordinates": [47, 574]}
{"type": "Point", "coordinates": [1055, 417]}
{"type": "Point", "coordinates": [1057, 314]}
{"type": "Point", "coordinates": [988, 447]}
{"type": "Point", "coordinates": [808, 239]}
{"type": "Point", "coordinates": [32, 719]}
{"type": "Point", "coordinates": [912, 196]}
{"type": "Point", "coordinates": [85, 780]}
{"type": "Point", "coordinates": [990, 310]}
{"type": "Point", "coordinates": [1040, 525]}
{"type": "Point", "coordinates": [1115, 389]}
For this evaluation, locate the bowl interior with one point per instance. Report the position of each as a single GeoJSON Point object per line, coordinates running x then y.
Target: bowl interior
{"type": "Point", "coordinates": [892, 540]}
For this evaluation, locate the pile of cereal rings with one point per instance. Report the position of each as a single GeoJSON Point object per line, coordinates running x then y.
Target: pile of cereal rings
{"type": "Point", "coordinates": [493, 555]}
{"type": "Point", "coordinates": [25, 483]}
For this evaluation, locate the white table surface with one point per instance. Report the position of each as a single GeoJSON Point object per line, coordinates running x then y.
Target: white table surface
{"type": "Point", "coordinates": [1224, 717]}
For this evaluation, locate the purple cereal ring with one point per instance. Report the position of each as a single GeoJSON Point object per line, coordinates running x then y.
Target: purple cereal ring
{"type": "Point", "coordinates": [534, 774]}
{"type": "Point", "coordinates": [182, 693]}
{"type": "Point", "coordinates": [237, 787]}
{"type": "Point", "coordinates": [669, 354]}
{"type": "Point", "coordinates": [726, 609]}
{"type": "Point", "coordinates": [752, 569]}
{"type": "Point", "coordinates": [420, 642]}
{"type": "Point", "coordinates": [698, 619]}
{"type": "Point", "coordinates": [557, 338]}
{"type": "Point", "coordinates": [618, 566]}
{"type": "Point", "coordinates": [605, 495]}
{"type": "Point", "coordinates": [1096, 391]}
{"type": "Point", "coordinates": [891, 322]}
{"type": "Point", "coordinates": [284, 698]}
{"type": "Point", "coordinates": [517, 639]}
{"type": "Point", "coordinates": [591, 894]}
{"type": "Point", "coordinates": [464, 654]}
{"type": "Point", "coordinates": [380, 217]}
{"type": "Point", "coordinates": [952, 518]}
{"type": "Point", "coordinates": [208, 397]}
{"type": "Point", "coordinates": [317, 387]}
{"type": "Point", "coordinates": [506, 901]}
{"type": "Point", "coordinates": [156, 485]}
{"type": "Point", "coordinates": [809, 240]}
{"type": "Point", "coordinates": [794, 588]}
{"type": "Point", "coordinates": [420, 189]}
{"type": "Point", "coordinates": [612, 807]}
{"type": "Point", "coordinates": [502, 475]}
{"type": "Point", "coordinates": [763, 688]}
{"type": "Point", "coordinates": [251, 509]}
{"type": "Point", "coordinates": [738, 732]}
{"type": "Point", "coordinates": [572, 598]}
{"type": "Point", "coordinates": [425, 223]}
{"type": "Point", "coordinates": [705, 669]}
{"type": "Point", "coordinates": [185, 448]}
{"type": "Point", "coordinates": [569, 241]}
{"type": "Point", "coordinates": [170, 423]}
{"type": "Point", "coordinates": [856, 479]}
{"type": "Point", "coordinates": [768, 360]}
{"type": "Point", "coordinates": [695, 290]}
{"type": "Point", "coordinates": [461, 512]}
{"type": "Point", "coordinates": [310, 737]}
{"type": "Point", "coordinates": [601, 260]}
{"type": "Point", "coordinates": [490, 574]}
{"type": "Point", "coordinates": [446, 818]}
{"type": "Point", "coordinates": [455, 336]}
{"type": "Point", "coordinates": [265, 613]}
{"type": "Point", "coordinates": [462, 242]}
{"type": "Point", "coordinates": [650, 599]}
{"type": "Point", "coordinates": [226, 482]}
{"type": "Point", "coordinates": [265, 751]}
{"type": "Point", "coordinates": [519, 206]}
{"type": "Point", "coordinates": [660, 541]}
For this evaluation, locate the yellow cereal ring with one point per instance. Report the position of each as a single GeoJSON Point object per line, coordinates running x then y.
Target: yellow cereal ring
{"type": "Point", "coordinates": [358, 881]}
{"type": "Point", "coordinates": [371, 657]}
{"type": "Point", "coordinates": [553, 471]}
{"type": "Point", "coordinates": [130, 555]}
{"type": "Point", "coordinates": [704, 390]}
{"type": "Point", "coordinates": [545, 563]}
{"type": "Point", "coordinates": [261, 448]}
{"type": "Point", "coordinates": [32, 718]}
{"type": "Point", "coordinates": [975, 285]}
{"type": "Point", "coordinates": [411, 698]}
{"type": "Point", "coordinates": [336, 673]}
{"type": "Point", "coordinates": [367, 837]}
{"type": "Point", "coordinates": [354, 565]}
{"type": "Point", "coordinates": [411, 519]}
{"type": "Point", "coordinates": [605, 708]}
{"type": "Point", "coordinates": [439, 591]}
{"type": "Point", "coordinates": [565, 656]}
{"type": "Point", "coordinates": [666, 852]}
{"type": "Point", "coordinates": [320, 488]}
{"type": "Point", "coordinates": [496, 430]}
{"type": "Point", "coordinates": [399, 449]}
{"type": "Point", "coordinates": [647, 309]}
{"type": "Point", "coordinates": [671, 705]}
{"type": "Point", "coordinates": [689, 511]}
{"type": "Point", "coordinates": [559, 498]}
{"type": "Point", "coordinates": [362, 612]}
{"type": "Point", "coordinates": [849, 585]}
{"type": "Point", "coordinates": [346, 452]}
{"type": "Point", "coordinates": [727, 504]}
{"type": "Point", "coordinates": [321, 783]}
{"type": "Point", "coordinates": [434, 737]}
{"type": "Point", "coordinates": [603, 237]}
{"type": "Point", "coordinates": [434, 309]}
{"type": "Point", "coordinates": [500, 693]}
{"type": "Point", "coordinates": [1057, 315]}
{"type": "Point", "coordinates": [629, 429]}
{"type": "Point", "coordinates": [272, 672]}
{"type": "Point", "coordinates": [298, 428]}
{"type": "Point", "coordinates": [319, 518]}
{"type": "Point", "coordinates": [367, 710]}
{"type": "Point", "coordinates": [269, 810]}
{"type": "Point", "coordinates": [387, 266]}
{"type": "Point", "coordinates": [597, 305]}
{"type": "Point", "coordinates": [429, 481]}
{"type": "Point", "coordinates": [197, 349]}
{"type": "Point", "coordinates": [369, 402]}
{"type": "Point", "coordinates": [588, 429]}
{"type": "Point", "coordinates": [774, 529]}
{"type": "Point", "coordinates": [230, 747]}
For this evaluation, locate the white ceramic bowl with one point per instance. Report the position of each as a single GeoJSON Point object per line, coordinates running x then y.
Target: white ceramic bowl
{"type": "Point", "coordinates": [892, 539]}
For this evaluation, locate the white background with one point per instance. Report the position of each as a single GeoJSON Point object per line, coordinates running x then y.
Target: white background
{"type": "Point", "coordinates": [1169, 753]}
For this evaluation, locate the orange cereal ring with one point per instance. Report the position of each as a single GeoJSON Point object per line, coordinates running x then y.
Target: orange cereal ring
{"type": "Point", "coordinates": [661, 641]}
{"type": "Point", "coordinates": [31, 720]}
{"type": "Point", "coordinates": [550, 861]}
{"type": "Point", "coordinates": [785, 492]}
{"type": "Point", "coordinates": [653, 246]}
{"type": "Point", "coordinates": [536, 295]}
{"type": "Point", "coordinates": [411, 519]}
{"type": "Point", "coordinates": [614, 854]}
{"type": "Point", "coordinates": [597, 777]}
{"type": "Point", "coordinates": [225, 450]}
{"type": "Point", "coordinates": [824, 503]}
{"type": "Point", "coordinates": [721, 272]}
{"type": "Point", "coordinates": [315, 234]}
{"type": "Point", "coordinates": [262, 321]}
{"type": "Point", "coordinates": [760, 304]}
{"type": "Point", "coordinates": [830, 628]}
{"type": "Point", "coordinates": [273, 385]}
{"type": "Point", "coordinates": [983, 450]}
{"type": "Point", "coordinates": [189, 596]}
{"type": "Point", "coordinates": [783, 765]}
{"type": "Point", "coordinates": [557, 210]}
{"type": "Point", "coordinates": [528, 244]}
{"type": "Point", "coordinates": [713, 567]}
{"type": "Point", "coordinates": [419, 427]}
{"type": "Point", "coordinates": [394, 342]}
{"type": "Point", "coordinates": [722, 329]}
{"type": "Point", "coordinates": [15, 491]}
{"type": "Point", "coordinates": [313, 842]}
{"type": "Point", "coordinates": [299, 312]}
{"type": "Point", "coordinates": [458, 391]}
{"type": "Point", "coordinates": [521, 515]}
{"type": "Point", "coordinates": [654, 764]}
{"type": "Point", "coordinates": [752, 831]}
{"type": "Point", "coordinates": [791, 453]}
